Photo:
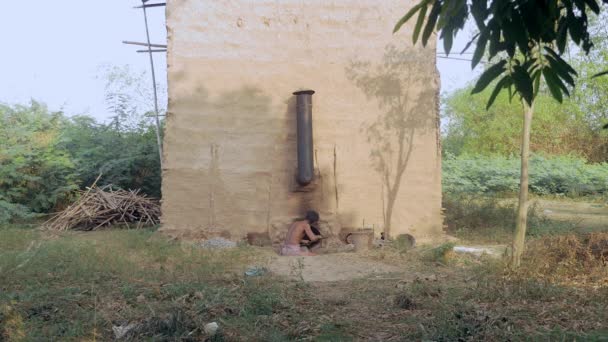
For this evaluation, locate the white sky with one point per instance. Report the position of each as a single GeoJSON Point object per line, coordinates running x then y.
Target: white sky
{"type": "Point", "coordinates": [53, 51]}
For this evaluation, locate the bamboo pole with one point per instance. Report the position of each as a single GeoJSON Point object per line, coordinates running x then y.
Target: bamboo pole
{"type": "Point", "coordinates": [158, 137]}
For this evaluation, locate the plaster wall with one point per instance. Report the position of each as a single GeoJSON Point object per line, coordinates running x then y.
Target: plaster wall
{"type": "Point", "coordinates": [230, 136]}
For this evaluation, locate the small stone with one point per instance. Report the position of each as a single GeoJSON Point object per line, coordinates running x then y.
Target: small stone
{"type": "Point", "coordinates": [141, 298]}
{"type": "Point", "coordinates": [121, 331]}
{"type": "Point", "coordinates": [401, 284]}
{"type": "Point", "coordinates": [211, 328]}
{"type": "Point", "coordinates": [199, 295]}
{"type": "Point", "coordinates": [255, 271]}
{"type": "Point", "coordinates": [218, 242]}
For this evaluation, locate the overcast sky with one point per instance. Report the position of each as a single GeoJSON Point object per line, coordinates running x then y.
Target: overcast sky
{"type": "Point", "coordinates": [54, 51]}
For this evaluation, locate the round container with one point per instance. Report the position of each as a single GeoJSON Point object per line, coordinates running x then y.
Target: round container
{"type": "Point", "coordinates": [362, 239]}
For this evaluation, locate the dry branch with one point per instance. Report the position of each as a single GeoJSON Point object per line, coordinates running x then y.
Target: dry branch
{"type": "Point", "coordinates": [102, 207]}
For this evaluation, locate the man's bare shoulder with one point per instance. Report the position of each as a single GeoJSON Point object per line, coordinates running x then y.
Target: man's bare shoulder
{"type": "Point", "coordinates": [300, 224]}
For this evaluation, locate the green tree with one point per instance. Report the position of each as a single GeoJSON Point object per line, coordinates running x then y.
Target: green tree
{"type": "Point", "coordinates": [126, 158]}
{"type": "Point", "coordinates": [573, 127]}
{"type": "Point", "coordinates": [36, 174]}
{"type": "Point", "coordinates": [525, 39]}
{"type": "Point", "coordinates": [123, 150]}
{"type": "Point", "coordinates": [471, 129]}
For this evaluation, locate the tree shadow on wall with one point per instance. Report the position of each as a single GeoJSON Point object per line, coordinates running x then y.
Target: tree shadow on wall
{"type": "Point", "coordinates": [403, 85]}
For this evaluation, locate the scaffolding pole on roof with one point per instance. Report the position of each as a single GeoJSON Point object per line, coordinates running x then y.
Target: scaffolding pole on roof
{"type": "Point", "coordinates": [161, 4]}
{"type": "Point", "coordinates": [150, 51]}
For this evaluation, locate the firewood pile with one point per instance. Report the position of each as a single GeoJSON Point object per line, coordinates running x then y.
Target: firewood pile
{"type": "Point", "coordinates": [99, 207]}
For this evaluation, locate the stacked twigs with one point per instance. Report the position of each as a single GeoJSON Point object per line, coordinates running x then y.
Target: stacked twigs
{"type": "Point", "coordinates": [99, 207]}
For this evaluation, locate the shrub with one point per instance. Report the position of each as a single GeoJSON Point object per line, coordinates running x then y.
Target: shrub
{"type": "Point", "coordinates": [45, 156]}
{"type": "Point", "coordinates": [580, 257]}
{"type": "Point", "coordinates": [565, 175]}
{"type": "Point", "coordinates": [34, 173]}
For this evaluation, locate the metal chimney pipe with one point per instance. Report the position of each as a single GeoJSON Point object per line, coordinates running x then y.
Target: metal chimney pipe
{"type": "Point", "coordinates": [305, 146]}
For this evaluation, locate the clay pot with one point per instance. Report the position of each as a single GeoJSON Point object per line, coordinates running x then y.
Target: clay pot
{"type": "Point", "coordinates": [362, 239]}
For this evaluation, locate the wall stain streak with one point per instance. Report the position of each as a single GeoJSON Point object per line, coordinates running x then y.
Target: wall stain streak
{"type": "Point", "coordinates": [336, 180]}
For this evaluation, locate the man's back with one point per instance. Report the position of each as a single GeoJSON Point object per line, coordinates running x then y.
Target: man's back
{"type": "Point", "coordinates": [296, 232]}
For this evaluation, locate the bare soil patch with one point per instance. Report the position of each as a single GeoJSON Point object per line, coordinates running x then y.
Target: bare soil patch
{"type": "Point", "coordinates": [331, 267]}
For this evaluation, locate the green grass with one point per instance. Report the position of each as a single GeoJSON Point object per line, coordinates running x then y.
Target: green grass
{"type": "Point", "coordinates": [481, 219]}
{"type": "Point", "coordinates": [77, 286]}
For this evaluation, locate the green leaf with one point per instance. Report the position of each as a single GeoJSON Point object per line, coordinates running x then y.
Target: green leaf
{"type": "Point", "coordinates": [536, 79]}
{"type": "Point", "coordinates": [603, 73]}
{"type": "Point", "coordinates": [552, 83]}
{"type": "Point", "coordinates": [479, 11]}
{"type": "Point", "coordinates": [514, 31]}
{"type": "Point", "coordinates": [562, 35]}
{"type": "Point", "coordinates": [503, 83]}
{"type": "Point", "coordinates": [419, 23]}
{"type": "Point", "coordinates": [430, 24]}
{"type": "Point", "coordinates": [523, 83]}
{"type": "Point", "coordinates": [576, 27]}
{"type": "Point", "coordinates": [466, 47]}
{"type": "Point", "coordinates": [561, 62]}
{"type": "Point", "coordinates": [408, 16]}
{"type": "Point", "coordinates": [593, 5]}
{"type": "Point", "coordinates": [480, 49]}
{"type": "Point", "coordinates": [488, 76]}
{"type": "Point", "coordinates": [558, 81]}
{"type": "Point", "coordinates": [495, 41]}
{"type": "Point", "coordinates": [447, 41]}
{"type": "Point", "coordinates": [559, 70]}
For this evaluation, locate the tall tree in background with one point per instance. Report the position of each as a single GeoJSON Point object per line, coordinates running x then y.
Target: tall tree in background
{"type": "Point", "coordinates": [571, 127]}
{"type": "Point", "coordinates": [525, 39]}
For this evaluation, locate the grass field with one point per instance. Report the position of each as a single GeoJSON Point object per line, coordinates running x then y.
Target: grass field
{"type": "Point", "coordinates": [78, 286]}
{"type": "Point", "coordinates": [480, 219]}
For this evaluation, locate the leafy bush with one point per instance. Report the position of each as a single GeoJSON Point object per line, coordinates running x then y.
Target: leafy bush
{"type": "Point", "coordinates": [13, 211]}
{"type": "Point", "coordinates": [127, 157]}
{"type": "Point", "coordinates": [45, 156]}
{"type": "Point", "coordinates": [563, 175]}
{"type": "Point", "coordinates": [34, 173]}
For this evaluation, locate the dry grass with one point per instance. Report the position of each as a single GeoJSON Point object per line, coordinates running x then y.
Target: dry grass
{"type": "Point", "coordinates": [577, 260]}
{"type": "Point", "coordinates": [77, 286]}
{"type": "Point", "coordinates": [104, 207]}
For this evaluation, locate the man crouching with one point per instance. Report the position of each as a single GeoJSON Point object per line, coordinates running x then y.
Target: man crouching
{"type": "Point", "coordinates": [298, 231]}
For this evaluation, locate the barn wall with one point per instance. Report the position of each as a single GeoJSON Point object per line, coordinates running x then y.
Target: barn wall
{"type": "Point", "coordinates": [230, 136]}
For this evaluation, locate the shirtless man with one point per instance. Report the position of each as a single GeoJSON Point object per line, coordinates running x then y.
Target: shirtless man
{"type": "Point", "coordinates": [296, 233]}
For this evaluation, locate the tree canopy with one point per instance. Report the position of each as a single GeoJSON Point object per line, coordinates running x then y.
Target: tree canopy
{"type": "Point", "coordinates": [572, 127]}
{"type": "Point", "coordinates": [524, 39]}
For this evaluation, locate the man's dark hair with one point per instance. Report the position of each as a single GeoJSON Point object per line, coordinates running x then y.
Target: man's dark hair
{"type": "Point", "coordinates": [312, 216]}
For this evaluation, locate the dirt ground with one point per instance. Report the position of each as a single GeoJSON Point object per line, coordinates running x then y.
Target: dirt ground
{"type": "Point", "coordinates": [330, 267]}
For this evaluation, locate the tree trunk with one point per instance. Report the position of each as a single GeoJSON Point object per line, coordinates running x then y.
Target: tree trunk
{"type": "Point", "coordinates": [522, 210]}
